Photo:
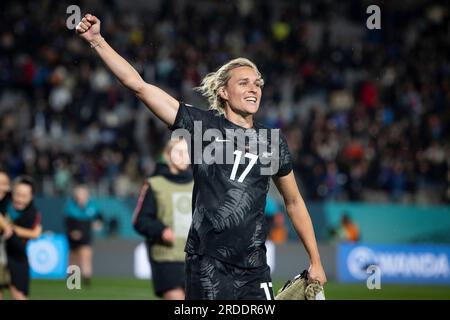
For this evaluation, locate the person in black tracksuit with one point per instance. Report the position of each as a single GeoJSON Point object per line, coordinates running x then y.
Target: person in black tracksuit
{"type": "Point", "coordinates": [21, 223]}
{"type": "Point", "coordinates": [163, 217]}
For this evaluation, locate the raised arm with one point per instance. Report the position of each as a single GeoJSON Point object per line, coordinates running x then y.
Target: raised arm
{"type": "Point", "coordinates": [298, 213]}
{"type": "Point", "coordinates": [163, 105]}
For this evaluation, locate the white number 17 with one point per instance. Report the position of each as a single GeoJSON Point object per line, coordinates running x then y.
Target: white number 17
{"type": "Point", "coordinates": [253, 158]}
{"type": "Point", "coordinates": [265, 286]}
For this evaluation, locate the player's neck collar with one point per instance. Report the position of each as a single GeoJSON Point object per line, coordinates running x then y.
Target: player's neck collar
{"type": "Point", "coordinates": [236, 126]}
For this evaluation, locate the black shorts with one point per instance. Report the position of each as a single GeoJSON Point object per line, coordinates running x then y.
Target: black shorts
{"type": "Point", "coordinates": [84, 227]}
{"type": "Point", "coordinates": [19, 271]}
{"type": "Point", "coordinates": [211, 279]}
{"type": "Point", "coordinates": [167, 276]}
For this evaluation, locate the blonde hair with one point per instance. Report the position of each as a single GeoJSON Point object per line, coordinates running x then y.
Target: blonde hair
{"type": "Point", "coordinates": [214, 81]}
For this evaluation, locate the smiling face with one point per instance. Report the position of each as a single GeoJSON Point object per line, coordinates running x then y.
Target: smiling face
{"type": "Point", "coordinates": [242, 93]}
{"type": "Point", "coordinates": [22, 195]}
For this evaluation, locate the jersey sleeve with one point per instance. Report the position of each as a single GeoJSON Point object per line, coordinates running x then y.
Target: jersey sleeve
{"type": "Point", "coordinates": [145, 220]}
{"type": "Point", "coordinates": [186, 116]}
{"type": "Point", "coordinates": [31, 220]}
{"type": "Point", "coordinates": [285, 165]}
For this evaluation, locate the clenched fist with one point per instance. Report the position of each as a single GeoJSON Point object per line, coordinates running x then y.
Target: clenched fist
{"type": "Point", "coordinates": [89, 29]}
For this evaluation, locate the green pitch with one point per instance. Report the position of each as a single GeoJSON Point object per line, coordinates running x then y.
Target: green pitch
{"type": "Point", "coordinates": [111, 289]}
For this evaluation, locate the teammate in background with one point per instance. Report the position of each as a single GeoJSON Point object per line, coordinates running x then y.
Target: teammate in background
{"type": "Point", "coordinates": [226, 256]}
{"type": "Point", "coordinates": [81, 217]}
{"type": "Point", "coordinates": [5, 198]}
{"type": "Point", "coordinates": [163, 216]}
{"type": "Point", "coordinates": [23, 222]}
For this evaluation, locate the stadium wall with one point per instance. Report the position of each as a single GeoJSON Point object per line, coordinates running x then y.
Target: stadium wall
{"type": "Point", "coordinates": [115, 258]}
{"type": "Point", "coordinates": [378, 223]}
{"type": "Point", "coordinates": [344, 262]}
{"type": "Point", "coordinates": [392, 223]}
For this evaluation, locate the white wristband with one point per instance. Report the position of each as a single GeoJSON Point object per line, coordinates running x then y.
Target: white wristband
{"type": "Point", "coordinates": [93, 45]}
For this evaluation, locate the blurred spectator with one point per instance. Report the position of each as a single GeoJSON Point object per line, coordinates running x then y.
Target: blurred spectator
{"type": "Point", "coordinates": [277, 231]}
{"type": "Point", "coordinates": [349, 230]}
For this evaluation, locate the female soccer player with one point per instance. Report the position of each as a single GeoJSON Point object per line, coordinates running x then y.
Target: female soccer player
{"type": "Point", "coordinates": [25, 224]}
{"type": "Point", "coordinates": [225, 248]}
{"type": "Point", "coordinates": [163, 217]}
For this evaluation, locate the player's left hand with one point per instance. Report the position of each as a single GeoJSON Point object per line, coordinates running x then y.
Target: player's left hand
{"type": "Point", "coordinates": [316, 272]}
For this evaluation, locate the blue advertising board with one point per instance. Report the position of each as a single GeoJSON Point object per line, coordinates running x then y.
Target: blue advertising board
{"type": "Point", "coordinates": [48, 256]}
{"type": "Point", "coordinates": [425, 264]}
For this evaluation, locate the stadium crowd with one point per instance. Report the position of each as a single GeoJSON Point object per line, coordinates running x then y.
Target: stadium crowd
{"type": "Point", "coordinates": [366, 112]}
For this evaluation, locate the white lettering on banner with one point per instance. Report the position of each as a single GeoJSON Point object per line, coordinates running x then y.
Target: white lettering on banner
{"type": "Point", "coordinates": [422, 265]}
{"type": "Point", "coordinates": [398, 264]}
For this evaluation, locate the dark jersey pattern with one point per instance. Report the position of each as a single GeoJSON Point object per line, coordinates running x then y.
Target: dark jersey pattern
{"type": "Point", "coordinates": [228, 209]}
{"type": "Point", "coordinates": [29, 219]}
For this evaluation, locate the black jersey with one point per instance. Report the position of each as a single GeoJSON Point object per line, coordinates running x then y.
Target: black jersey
{"type": "Point", "coordinates": [28, 218]}
{"type": "Point", "coordinates": [229, 197]}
